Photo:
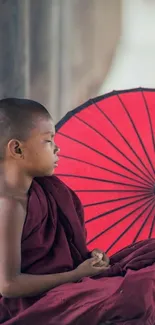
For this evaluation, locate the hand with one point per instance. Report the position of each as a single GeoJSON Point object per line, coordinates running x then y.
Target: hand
{"type": "Point", "coordinates": [104, 259]}
{"type": "Point", "coordinates": [89, 268]}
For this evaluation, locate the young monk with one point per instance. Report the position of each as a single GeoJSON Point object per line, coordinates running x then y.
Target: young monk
{"type": "Point", "coordinates": [47, 275]}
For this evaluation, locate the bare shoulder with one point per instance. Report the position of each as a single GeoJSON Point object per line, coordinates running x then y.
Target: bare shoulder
{"type": "Point", "coordinates": [12, 218]}
{"type": "Point", "coordinates": [10, 203]}
{"type": "Point", "coordinates": [13, 207]}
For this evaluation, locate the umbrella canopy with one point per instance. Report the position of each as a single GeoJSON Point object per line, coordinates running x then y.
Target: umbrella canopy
{"type": "Point", "coordinates": [108, 158]}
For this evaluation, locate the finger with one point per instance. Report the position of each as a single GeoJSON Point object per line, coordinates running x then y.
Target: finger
{"type": "Point", "coordinates": [97, 251]}
{"type": "Point", "coordinates": [103, 263]}
{"type": "Point", "coordinates": [94, 253]}
{"type": "Point", "coordinates": [100, 255]}
{"type": "Point", "coordinates": [101, 268]}
{"type": "Point", "coordinates": [106, 258]}
{"type": "Point", "coordinates": [100, 263]}
{"type": "Point", "coordinates": [95, 260]}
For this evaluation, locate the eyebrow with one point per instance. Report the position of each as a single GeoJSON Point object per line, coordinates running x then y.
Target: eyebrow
{"type": "Point", "coordinates": [51, 133]}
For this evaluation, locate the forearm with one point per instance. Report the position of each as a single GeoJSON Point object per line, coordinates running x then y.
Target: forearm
{"type": "Point", "coordinates": [25, 285]}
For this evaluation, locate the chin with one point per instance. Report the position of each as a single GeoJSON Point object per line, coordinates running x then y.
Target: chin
{"type": "Point", "coordinates": [43, 173]}
{"type": "Point", "coordinates": [49, 173]}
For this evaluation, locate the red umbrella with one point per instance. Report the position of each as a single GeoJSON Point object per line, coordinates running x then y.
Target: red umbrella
{"type": "Point", "coordinates": [108, 159]}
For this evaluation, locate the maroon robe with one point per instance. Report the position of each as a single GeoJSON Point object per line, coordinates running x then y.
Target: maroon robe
{"type": "Point", "coordinates": [53, 241]}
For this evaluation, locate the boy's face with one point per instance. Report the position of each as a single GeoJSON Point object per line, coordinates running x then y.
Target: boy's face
{"type": "Point", "coordinates": [40, 151]}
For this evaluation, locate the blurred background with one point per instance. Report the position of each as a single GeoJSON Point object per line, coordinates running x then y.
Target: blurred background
{"type": "Point", "coordinates": [62, 52]}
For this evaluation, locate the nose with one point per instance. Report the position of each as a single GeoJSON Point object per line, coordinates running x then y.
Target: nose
{"type": "Point", "coordinates": [57, 149]}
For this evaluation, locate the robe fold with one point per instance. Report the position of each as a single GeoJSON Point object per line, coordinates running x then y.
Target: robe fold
{"type": "Point", "coordinates": [54, 241]}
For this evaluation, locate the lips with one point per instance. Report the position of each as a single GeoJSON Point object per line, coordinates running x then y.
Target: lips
{"type": "Point", "coordinates": [56, 161]}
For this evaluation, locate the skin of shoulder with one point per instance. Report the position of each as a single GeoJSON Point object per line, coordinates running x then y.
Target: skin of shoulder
{"type": "Point", "coordinates": [12, 217]}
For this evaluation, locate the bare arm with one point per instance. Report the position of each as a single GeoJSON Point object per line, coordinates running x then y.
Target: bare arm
{"type": "Point", "coordinates": [25, 285]}
{"type": "Point", "coordinates": [12, 282]}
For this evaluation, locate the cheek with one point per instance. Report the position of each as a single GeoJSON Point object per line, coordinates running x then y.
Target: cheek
{"type": "Point", "coordinates": [31, 155]}
{"type": "Point", "coordinates": [49, 150]}
{"type": "Point", "coordinates": [44, 157]}
{"type": "Point", "coordinates": [39, 155]}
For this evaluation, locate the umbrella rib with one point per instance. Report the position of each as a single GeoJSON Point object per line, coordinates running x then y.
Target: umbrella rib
{"type": "Point", "coordinates": [101, 180]}
{"type": "Point", "coordinates": [152, 226]}
{"type": "Point", "coordinates": [101, 154]}
{"type": "Point", "coordinates": [124, 232]}
{"type": "Point", "coordinates": [116, 209]}
{"type": "Point", "coordinates": [117, 222]}
{"type": "Point", "coordinates": [112, 144]}
{"type": "Point", "coordinates": [149, 117]}
{"type": "Point", "coordinates": [106, 169]}
{"type": "Point", "coordinates": [111, 191]}
{"type": "Point", "coordinates": [112, 201]}
{"type": "Point", "coordinates": [143, 224]}
{"type": "Point", "coordinates": [122, 136]}
{"type": "Point", "coordinates": [136, 131]}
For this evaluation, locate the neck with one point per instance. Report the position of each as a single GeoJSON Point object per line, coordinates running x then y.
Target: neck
{"type": "Point", "coordinates": [13, 178]}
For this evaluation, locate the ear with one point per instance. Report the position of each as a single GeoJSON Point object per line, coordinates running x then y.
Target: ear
{"type": "Point", "coordinates": [15, 149]}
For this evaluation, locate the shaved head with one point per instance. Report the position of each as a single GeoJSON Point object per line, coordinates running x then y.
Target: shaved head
{"type": "Point", "coordinates": [17, 118]}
